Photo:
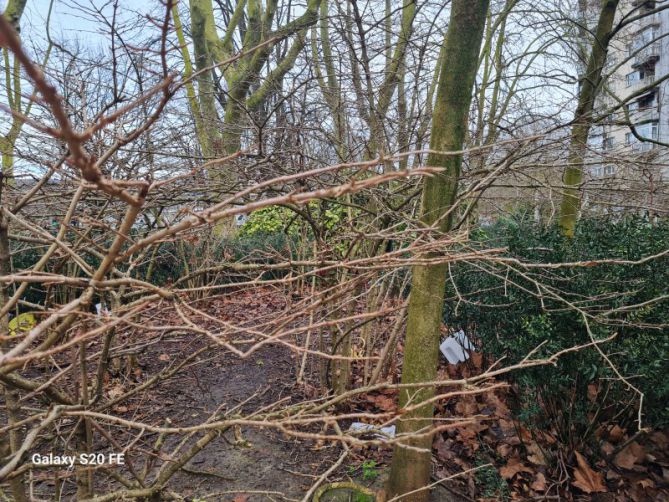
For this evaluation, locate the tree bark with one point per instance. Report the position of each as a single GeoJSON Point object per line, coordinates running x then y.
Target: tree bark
{"type": "Point", "coordinates": [591, 84]}
{"type": "Point", "coordinates": [410, 468]}
{"type": "Point", "coordinates": [13, 13]}
{"type": "Point", "coordinates": [223, 135]}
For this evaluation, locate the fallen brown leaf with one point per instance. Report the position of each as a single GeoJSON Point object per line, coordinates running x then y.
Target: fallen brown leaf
{"type": "Point", "coordinates": [616, 434]}
{"type": "Point", "coordinates": [646, 483]}
{"type": "Point", "coordinates": [508, 428]}
{"type": "Point", "coordinates": [539, 483]}
{"type": "Point", "coordinates": [585, 479]}
{"type": "Point", "coordinates": [535, 454]}
{"type": "Point", "coordinates": [499, 406]}
{"type": "Point", "coordinates": [612, 475]}
{"type": "Point", "coordinates": [384, 403]}
{"type": "Point", "coordinates": [504, 450]}
{"type": "Point", "coordinates": [513, 467]}
{"type": "Point", "coordinates": [632, 454]}
{"type": "Point", "coordinates": [116, 391]}
{"type": "Point", "coordinates": [477, 360]}
{"type": "Point", "coordinates": [444, 449]}
{"type": "Point", "coordinates": [661, 439]}
{"type": "Point", "coordinates": [467, 407]}
{"type": "Point", "coordinates": [607, 448]}
{"type": "Point", "coordinates": [525, 434]}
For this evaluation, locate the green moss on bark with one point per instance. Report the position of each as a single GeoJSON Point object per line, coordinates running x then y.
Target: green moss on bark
{"type": "Point", "coordinates": [411, 467]}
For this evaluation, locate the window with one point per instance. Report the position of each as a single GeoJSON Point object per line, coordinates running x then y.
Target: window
{"type": "Point", "coordinates": [643, 41]}
{"type": "Point", "coordinates": [638, 76]}
{"type": "Point", "coordinates": [607, 144]}
{"type": "Point", "coordinates": [646, 36]}
{"type": "Point", "coordinates": [596, 171]}
{"type": "Point", "coordinates": [632, 78]}
{"type": "Point", "coordinates": [647, 101]}
{"type": "Point", "coordinates": [594, 139]}
{"type": "Point", "coordinates": [609, 170]}
{"type": "Point", "coordinates": [648, 130]}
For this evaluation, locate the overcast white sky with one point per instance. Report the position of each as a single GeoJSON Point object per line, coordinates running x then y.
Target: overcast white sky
{"type": "Point", "coordinates": [69, 19]}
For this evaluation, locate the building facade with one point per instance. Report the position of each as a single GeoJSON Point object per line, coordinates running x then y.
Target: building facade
{"type": "Point", "coordinates": [628, 168]}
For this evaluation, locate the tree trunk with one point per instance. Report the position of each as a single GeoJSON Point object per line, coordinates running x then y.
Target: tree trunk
{"type": "Point", "coordinates": [591, 84]}
{"type": "Point", "coordinates": [12, 403]}
{"type": "Point", "coordinates": [12, 443]}
{"type": "Point", "coordinates": [411, 466]}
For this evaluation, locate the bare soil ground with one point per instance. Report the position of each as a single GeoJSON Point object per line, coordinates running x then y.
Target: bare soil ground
{"type": "Point", "coordinates": [246, 464]}
{"type": "Point", "coordinates": [250, 464]}
{"type": "Point", "coordinates": [257, 460]}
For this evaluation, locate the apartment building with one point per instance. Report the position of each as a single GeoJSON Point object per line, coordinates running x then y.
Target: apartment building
{"type": "Point", "coordinates": [624, 172]}
{"type": "Point", "coordinates": [629, 171]}
{"type": "Point", "coordinates": [635, 65]}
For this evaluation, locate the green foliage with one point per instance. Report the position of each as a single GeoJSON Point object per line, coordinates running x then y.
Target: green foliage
{"type": "Point", "coordinates": [368, 469]}
{"type": "Point", "coordinates": [280, 219]}
{"type": "Point", "coordinates": [25, 259]}
{"type": "Point", "coordinates": [363, 497]}
{"type": "Point", "coordinates": [490, 483]}
{"type": "Point", "coordinates": [502, 309]}
{"type": "Point", "coordinates": [270, 220]}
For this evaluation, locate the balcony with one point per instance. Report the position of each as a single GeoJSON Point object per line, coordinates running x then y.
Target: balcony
{"type": "Point", "coordinates": [643, 147]}
{"type": "Point", "coordinates": [647, 56]}
{"type": "Point", "coordinates": [646, 131]}
{"type": "Point", "coordinates": [641, 115]}
{"type": "Point", "coordinates": [648, 21]}
{"type": "Point", "coordinates": [641, 83]}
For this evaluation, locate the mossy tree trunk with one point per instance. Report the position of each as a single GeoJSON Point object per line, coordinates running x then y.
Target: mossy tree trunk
{"type": "Point", "coordinates": [10, 444]}
{"type": "Point", "coordinates": [13, 13]}
{"type": "Point", "coordinates": [411, 466]}
{"type": "Point", "coordinates": [590, 86]}
{"type": "Point", "coordinates": [252, 24]}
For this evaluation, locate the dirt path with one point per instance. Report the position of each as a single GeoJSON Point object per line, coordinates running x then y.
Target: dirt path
{"type": "Point", "coordinates": [245, 465]}
{"type": "Point", "coordinates": [254, 460]}
{"type": "Point", "coordinates": [264, 460]}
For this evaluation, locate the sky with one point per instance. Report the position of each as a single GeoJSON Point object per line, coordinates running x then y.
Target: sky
{"type": "Point", "coordinates": [69, 19]}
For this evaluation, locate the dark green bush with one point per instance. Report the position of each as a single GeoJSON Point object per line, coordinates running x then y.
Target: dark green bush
{"type": "Point", "coordinates": [501, 307]}
{"type": "Point", "coordinates": [168, 264]}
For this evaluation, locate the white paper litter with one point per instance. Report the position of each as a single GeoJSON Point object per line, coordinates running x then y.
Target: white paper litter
{"type": "Point", "coordinates": [382, 433]}
{"type": "Point", "coordinates": [456, 348]}
{"type": "Point", "coordinates": [101, 309]}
